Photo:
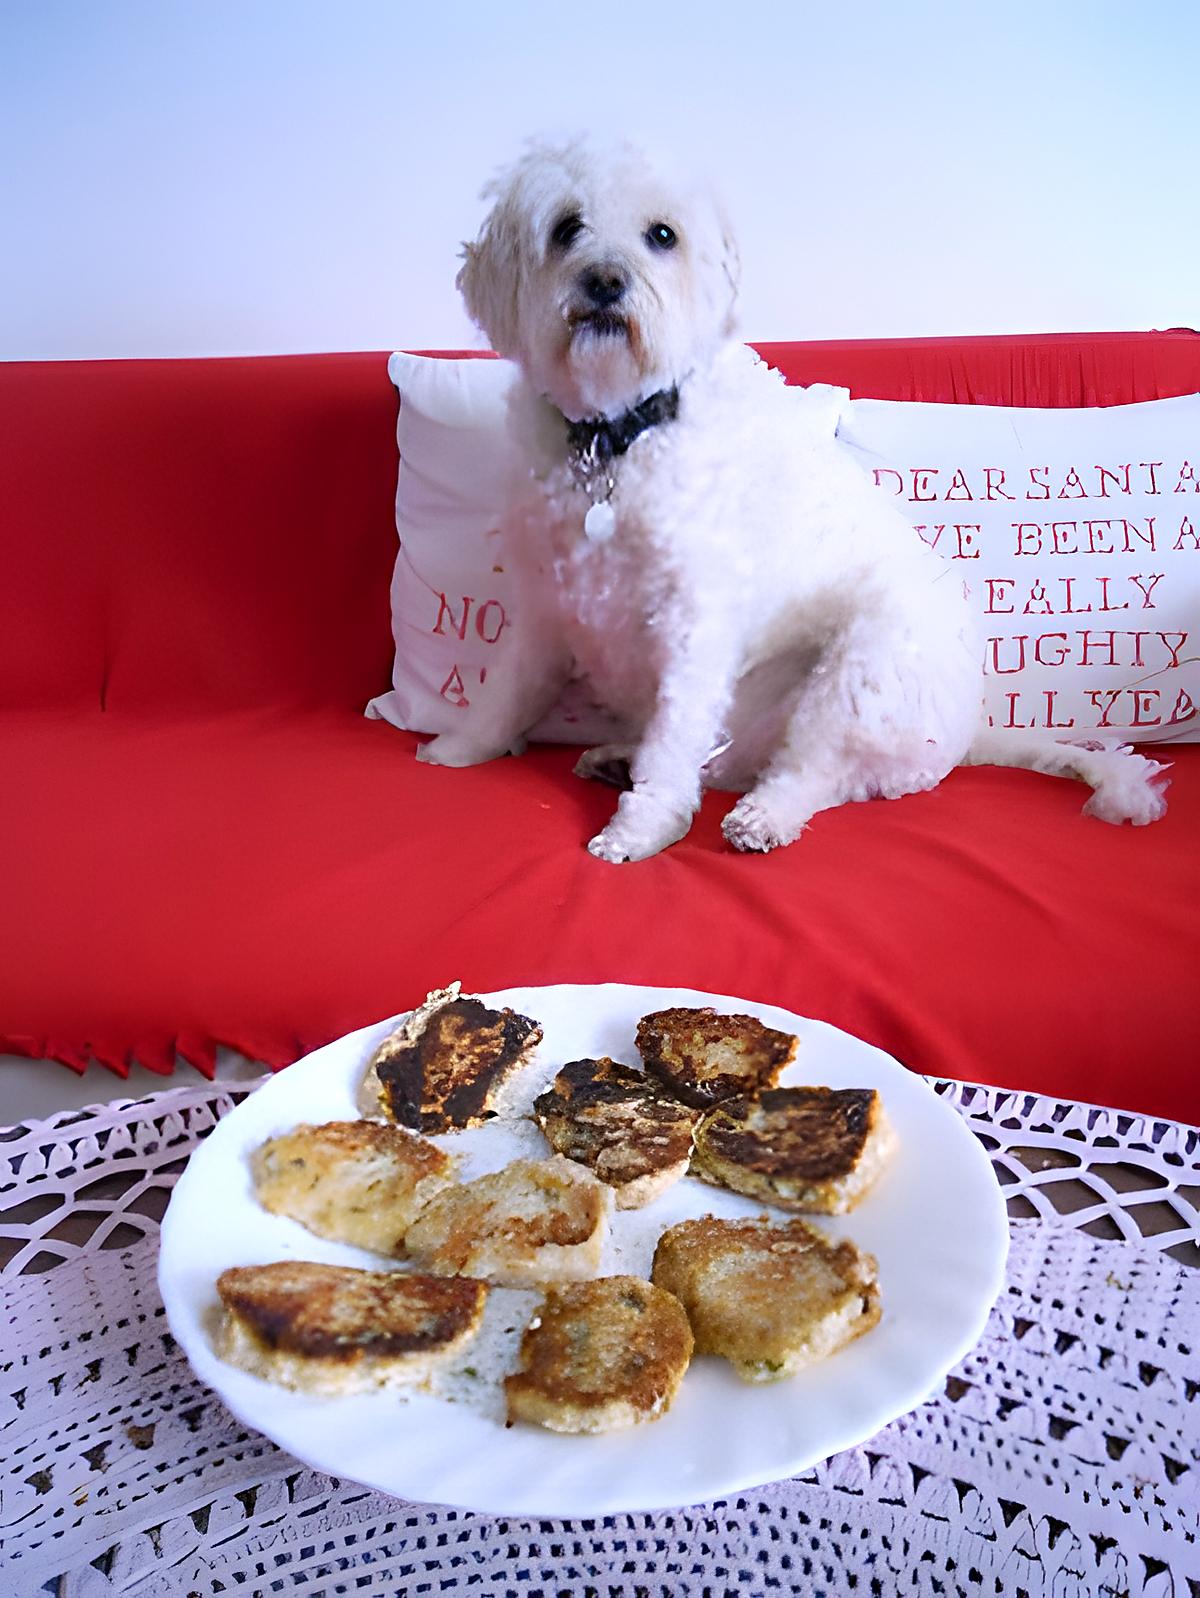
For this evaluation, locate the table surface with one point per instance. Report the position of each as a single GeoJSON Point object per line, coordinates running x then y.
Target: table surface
{"type": "Point", "coordinates": [1063, 1454]}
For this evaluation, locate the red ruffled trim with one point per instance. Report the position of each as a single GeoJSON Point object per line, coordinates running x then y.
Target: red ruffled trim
{"type": "Point", "coordinates": [159, 1054]}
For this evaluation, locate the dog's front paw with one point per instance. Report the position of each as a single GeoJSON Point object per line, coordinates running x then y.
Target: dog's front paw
{"type": "Point", "coordinates": [643, 826]}
{"type": "Point", "coordinates": [606, 847]}
{"type": "Point", "coordinates": [452, 749]}
{"type": "Point", "coordinates": [750, 827]}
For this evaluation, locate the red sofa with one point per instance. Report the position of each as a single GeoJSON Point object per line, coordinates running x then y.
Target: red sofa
{"type": "Point", "coordinates": [203, 840]}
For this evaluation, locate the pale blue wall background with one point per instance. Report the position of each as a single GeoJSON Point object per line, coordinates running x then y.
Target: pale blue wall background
{"type": "Point", "coordinates": [238, 176]}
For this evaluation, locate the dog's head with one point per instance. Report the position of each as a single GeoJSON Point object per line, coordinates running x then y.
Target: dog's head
{"type": "Point", "coordinates": [603, 280]}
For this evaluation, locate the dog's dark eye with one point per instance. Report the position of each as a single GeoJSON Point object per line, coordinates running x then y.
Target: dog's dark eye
{"type": "Point", "coordinates": [565, 231]}
{"type": "Point", "coordinates": [661, 237]}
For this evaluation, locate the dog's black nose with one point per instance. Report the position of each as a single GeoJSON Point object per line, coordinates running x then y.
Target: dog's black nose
{"type": "Point", "coordinates": [604, 286]}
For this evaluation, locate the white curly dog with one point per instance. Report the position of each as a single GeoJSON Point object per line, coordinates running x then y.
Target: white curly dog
{"type": "Point", "coordinates": [689, 535]}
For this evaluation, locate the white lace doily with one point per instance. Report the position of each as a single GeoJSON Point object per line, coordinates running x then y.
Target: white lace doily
{"type": "Point", "coordinates": [1063, 1456]}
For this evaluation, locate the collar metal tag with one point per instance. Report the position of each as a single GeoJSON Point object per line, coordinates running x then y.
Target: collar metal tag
{"type": "Point", "coordinates": [600, 523]}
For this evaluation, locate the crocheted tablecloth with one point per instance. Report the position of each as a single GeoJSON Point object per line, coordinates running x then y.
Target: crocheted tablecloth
{"type": "Point", "coordinates": [1062, 1456]}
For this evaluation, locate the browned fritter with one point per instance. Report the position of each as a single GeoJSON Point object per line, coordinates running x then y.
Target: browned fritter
{"type": "Point", "coordinates": [440, 1069]}
{"type": "Point", "coordinates": [337, 1330]}
{"type": "Point", "coordinates": [360, 1182]}
{"type": "Point", "coordinates": [621, 1123]}
{"type": "Point", "coordinates": [769, 1297]}
{"type": "Point", "coordinates": [704, 1057]}
{"type": "Point", "coordinates": [534, 1221]}
{"type": "Point", "coordinates": [806, 1148]}
{"type": "Point", "coordinates": [600, 1355]}
{"type": "Point", "coordinates": [338, 1311]}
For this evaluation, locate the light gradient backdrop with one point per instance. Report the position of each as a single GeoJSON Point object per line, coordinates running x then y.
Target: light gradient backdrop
{"type": "Point", "coordinates": [243, 176]}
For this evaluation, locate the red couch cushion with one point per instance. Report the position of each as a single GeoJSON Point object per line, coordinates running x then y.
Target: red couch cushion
{"type": "Point", "coordinates": [272, 881]}
{"type": "Point", "coordinates": [203, 842]}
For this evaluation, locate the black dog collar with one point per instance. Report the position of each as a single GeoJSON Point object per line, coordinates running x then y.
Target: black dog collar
{"type": "Point", "coordinates": [600, 439]}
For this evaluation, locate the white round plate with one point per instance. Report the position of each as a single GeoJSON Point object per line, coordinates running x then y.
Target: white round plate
{"type": "Point", "coordinates": [935, 1222]}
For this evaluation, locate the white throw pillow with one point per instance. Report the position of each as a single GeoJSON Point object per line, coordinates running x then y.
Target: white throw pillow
{"type": "Point", "coordinates": [452, 615]}
{"type": "Point", "coordinates": [1078, 535]}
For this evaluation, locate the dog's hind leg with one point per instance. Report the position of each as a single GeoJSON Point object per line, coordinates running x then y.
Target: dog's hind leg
{"type": "Point", "coordinates": [607, 763]}
{"type": "Point", "coordinates": [868, 723]}
{"type": "Point", "coordinates": [797, 785]}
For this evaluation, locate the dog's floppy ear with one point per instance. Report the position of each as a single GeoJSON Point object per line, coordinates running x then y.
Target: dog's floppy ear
{"type": "Point", "coordinates": [490, 278]}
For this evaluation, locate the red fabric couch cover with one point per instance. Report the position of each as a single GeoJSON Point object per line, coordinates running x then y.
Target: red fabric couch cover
{"type": "Point", "coordinates": [203, 841]}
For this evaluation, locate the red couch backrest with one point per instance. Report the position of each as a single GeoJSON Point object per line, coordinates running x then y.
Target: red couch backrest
{"type": "Point", "coordinates": [198, 533]}
{"type": "Point", "coordinates": [218, 534]}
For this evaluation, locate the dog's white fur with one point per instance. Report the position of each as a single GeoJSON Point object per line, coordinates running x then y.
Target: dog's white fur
{"type": "Point", "coordinates": [762, 619]}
